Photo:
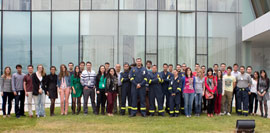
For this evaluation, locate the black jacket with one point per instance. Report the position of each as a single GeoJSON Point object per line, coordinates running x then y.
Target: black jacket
{"type": "Point", "coordinates": [36, 84]}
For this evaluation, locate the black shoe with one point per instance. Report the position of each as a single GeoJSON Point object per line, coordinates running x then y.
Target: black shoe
{"type": "Point", "coordinates": [171, 115]}
{"type": "Point", "coordinates": [176, 115]}
{"type": "Point", "coordinates": [132, 115]}
{"type": "Point", "coordinates": [161, 114]}
{"type": "Point", "coordinates": [143, 115]}
{"type": "Point", "coordinates": [18, 116]}
{"type": "Point", "coordinates": [23, 115]}
{"type": "Point", "coordinates": [151, 114]}
{"type": "Point", "coordinates": [265, 116]}
{"type": "Point", "coordinates": [262, 115]}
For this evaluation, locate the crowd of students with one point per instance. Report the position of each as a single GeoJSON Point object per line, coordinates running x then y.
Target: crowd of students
{"type": "Point", "coordinates": [137, 89]}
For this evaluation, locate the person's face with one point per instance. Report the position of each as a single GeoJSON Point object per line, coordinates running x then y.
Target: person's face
{"type": "Point", "coordinates": [203, 69]}
{"type": "Point", "coordinates": [184, 67]}
{"type": "Point", "coordinates": [19, 69]}
{"type": "Point", "coordinates": [210, 73]}
{"type": "Point", "coordinates": [170, 68]}
{"type": "Point", "coordinates": [139, 62]}
{"type": "Point", "coordinates": [165, 68]}
{"type": "Point", "coordinates": [154, 69]}
{"type": "Point", "coordinates": [39, 68]}
{"type": "Point", "coordinates": [229, 71]}
{"type": "Point", "coordinates": [53, 70]}
{"type": "Point", "coordinates": [256, 75]}
{"type": "Point", "coordinates": [223, 67]}
{"type": "Point", "coordinates": [126, 67]}
{"type": "Point", "coordinates": [263, 74]}
{"type": "Point", "coordinates": [197, 67]}
{"type": "Point", "coordinates": [88, 66]}
{"type": "Point", "coordinates": [242, 70]}
{"type": "Point", "coordinates": [199, 73]}
{"type": "Point", "coordinates": [118, 68]}
{"type": "Point", "coordinates": [77, 69]}
{"type": "Point", "coordinates": [82, 66]}
{"type": "Point", "coordinates": [70, 66]}
{"type": "Point", "coordinates": [178, 68]}
{"type": "Point", "coordinates": [235, 68]}
{"type": "Point", "coordinates": [219, 73]}
{"type": "Point", "coordinates": [188, 71]}
{"type": "Point", "coordinates": [175, 73]}
{"type": "Point", "coordinates": [102, 69]}
{"type": "Point", "coordinates": [8, 70]}
{"type": "Point", "coordinates": [249, 70]}
{"type": "Point", "coordinates": [215, 68]}
{"type": "Point", "coordinates": [107, 66]}
{"type": "Point", "coordinates": [112, 72]}
{"type": "Point", "coordinates": [30, 69]}
{"type": "Point", "coordinates": [148, 65]}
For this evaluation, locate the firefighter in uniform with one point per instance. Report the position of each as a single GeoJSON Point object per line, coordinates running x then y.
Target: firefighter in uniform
{"type": "Point", "coordinates": [166, 76]}
{"type": "Point", "coordinates": [182, 103]}
{"type": "Point", "coordinates": [243, 81]}
{"type": "Point", "coordinates": [175, 89]}
{"type": "Point", "coordinates": [138, 78]}
{"type": "Point", "coordinates": [126, 89]}
{"type": "Point", "coordinates": [155, 92]}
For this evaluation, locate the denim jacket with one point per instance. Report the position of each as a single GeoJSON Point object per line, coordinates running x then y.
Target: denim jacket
{"type": "Point", "coordinates": [67, 79]}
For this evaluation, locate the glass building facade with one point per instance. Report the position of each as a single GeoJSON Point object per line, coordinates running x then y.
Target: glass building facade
{"type": "Point", "coordinates": [54, 32]}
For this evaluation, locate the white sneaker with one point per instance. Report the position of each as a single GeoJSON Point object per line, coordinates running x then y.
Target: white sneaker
{"type": "Point", "coordinates": [222, 114]}
{"type": "Point", "coordinates": [228, 114]}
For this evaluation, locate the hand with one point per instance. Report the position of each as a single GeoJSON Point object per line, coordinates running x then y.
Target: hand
{"type": "Point", "coordinates": [85, 87]}
{"type": "Point", "coordinates": [249, 93]}
{"type": "Point", "coordinates": [2, 93]}
{"type": "Point", "coordinates": [26, 94]}
{"type": "Point", "coordinates": [173, 94]}
{"type": "Point", "coordinates": [74, 92]}
{"type": "Point", "coordinates": [47, 93]}
{"type": "Point", "coordinates": [97, 92]}
{"type": "Point", "coordinates": [222, 94]}
{"type": "Point", "coordinates": [203, 94]}
{"type": "Point", "coordinates": [15, 93]}
{"type": "Point", "coordinates": [40, 91]}
{"type": "Point", "coordinates": [106, 94]}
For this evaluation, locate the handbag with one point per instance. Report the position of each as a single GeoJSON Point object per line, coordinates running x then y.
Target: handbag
{"type": "Point", "coordinates": [208, 95]}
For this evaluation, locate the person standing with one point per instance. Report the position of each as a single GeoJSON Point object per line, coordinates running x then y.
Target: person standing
{"type": "Point", "coordinates": [18, 91]}
{"type": "Point", "coordinates": [76, 93]}
{"type": "Point", "coordinates": [211, 91]}
{"type": "Point", "coordinates": [242, 91]}
{"type": "Point", "coordinates": [88, 81]}
{"type": "Point", "coordinates": [63, 84]}
{"type": "Point", "coordinates": [253, 95]}
{"type": "Point", "coordinates": [82, 66]}
{"type": "Point", "coordinates": [166, 77]}
{"type": "Point", "coordinates": [6, 91]}
{"type": "Point", "coordinates": [147, 102]}
{"type": "Point", "coordinates": [39, 90]}
{"type": "Point", "coordinates": [188, 91]}
{"type": "Point", "coordinates": [175, 85]}
{"type": "Point", "coordinates": [219, 92]}
{"type": "Point", "coordinates": [235, 73]}
{"type": "Point", "coordinates": [118, 71]}
{"type": "Point", "coordinates": [126, 89]}
{"type": "Point", "coordinates": [28, 88]}
{"type": "Point", "coordinates": [100, 88]}
{"type": "Point", "coordinates": [199, 89]}
{"type": "Point", "coordinates": [263, 94]}
{"type": "Point", "coordinates": [51, 84]}
{"type": "Point", "coordinates": [170, 68]}
{"type": "Point", "coordinates": [229, 83]}
{"type": "Point", "coordinates": [71, 72]}
{"type": "Point", "coordinates": [155, 92]}
{"type": "Point", "coordinates": [111, 89]}
{"type": "Point", "coordinates": [223, 68]}
{"type": "Point", "coordinates": [138, 78]}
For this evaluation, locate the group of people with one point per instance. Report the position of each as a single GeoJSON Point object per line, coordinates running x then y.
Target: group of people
{"type": "Point", "coordinates": [137, 89]}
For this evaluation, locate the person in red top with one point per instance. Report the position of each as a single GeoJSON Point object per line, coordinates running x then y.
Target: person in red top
{"type": "Point", "coordinates": [211, 91]}
{"type": "Point", "coordinates": [28, 88]}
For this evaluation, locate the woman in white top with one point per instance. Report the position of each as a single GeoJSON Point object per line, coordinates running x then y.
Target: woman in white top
{"type": "Point", "coordinates": [253, 95]}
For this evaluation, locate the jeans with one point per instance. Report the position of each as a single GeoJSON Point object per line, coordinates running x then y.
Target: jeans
{"type": "Point", "coordinates": [19, 103]}
{"type": "Point", "coordinates": [253, 100]}
{"type": "Point", "coordinates": [188, 99]}
{"type": "Point", "coordinates": [90, 92]}
{"type": "Point", "coordinates": [198, 103]}
{"type": "Point", "coordinates": [9, 96]}
{"type": "Point", "coordinates": [40, 104]}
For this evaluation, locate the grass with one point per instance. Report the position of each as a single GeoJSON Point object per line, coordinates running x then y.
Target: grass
{"type": "Point", "coordinates": [93, 123]}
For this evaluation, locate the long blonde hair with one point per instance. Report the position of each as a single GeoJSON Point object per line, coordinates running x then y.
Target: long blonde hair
{"type": "Point", "coordinates": [61, 73]}
{"type": "Point", "coordinates": [5, 73]}
{"type": "Point", "coordinates": [43, 73]}
{"type": "Point", "coordinates": [200, 71]}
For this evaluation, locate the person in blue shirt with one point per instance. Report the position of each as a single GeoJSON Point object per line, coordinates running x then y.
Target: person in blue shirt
{"type": "Point", "coordinates": [174, 90]}
{"type": "Point", "coordinates": [155, 92]}
{"type": "Point", "coordinates": [138, 78]}
{"type": "Point", "coordinates": [166, 76]}
{"type": "Point", "coordinates": [126, 89]}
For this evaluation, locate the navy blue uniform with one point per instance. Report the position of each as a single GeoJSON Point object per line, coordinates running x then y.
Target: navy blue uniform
{"type": "Point", "coordinates": [125, 92]}
{"type": "Point", "coordinates": [242, 99]}
{"type": "Point", "coordinates": [138, 76]}
{"type": "Point", "coordinates": [182, 104]}
{"type": "Point", "coordinates": [165, 85]}
{"type": "Point", "coordinates": [175, 88]}
{"type": "Point", "coordinates": [155, 92]}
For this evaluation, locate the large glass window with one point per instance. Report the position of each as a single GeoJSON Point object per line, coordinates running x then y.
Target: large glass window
{"type": "Point", "coordinates": [151, 4]}
{"type": "Point", "coordinates": [202, 5]}
{"type": "Point", "coordinates": [65, 28]}
{"type": "Point", "coordinates": [132, 4]}
{"type": "Point", "coordinates": [186, 4]}
{"type": "Point", "coordinates": [202, 33]}
{"type": "Point", "coordinates": [105, 4]}
{"type": "Point", "coordinates": [166, 38]}
{"type": "Point", "coordinates": [131, 36]}
{"type": "Point", "coordinates": [16, 39]}
{"type": "Point", "coordinates": [41, 4]}
{"type": "Point", "coordinates": [186, 39]}
{"type": "Point", "coordinates": [41, 40]}
{"type": "Point", "coordinates": [65, 4]}
{"type": "Point", "coordinates": [222, 38]}
{"type": "Point", "coordinates": [99, 38]}
{"type": "Point", "coordinates": [223, 5]}
{"type": "Point", "coordinates": [167, 4]}
{"type": "Point", "coordinates": [16, 5]}
{"type": "Point", "coordinates": [151, 36]}
{"type": "Point", "coordinates": [85, 4]}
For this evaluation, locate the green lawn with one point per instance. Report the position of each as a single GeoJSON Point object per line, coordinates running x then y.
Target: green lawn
{"type": "Point", "coordinates": [93, 123]}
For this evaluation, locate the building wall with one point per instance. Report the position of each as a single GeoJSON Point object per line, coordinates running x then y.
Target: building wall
{"type": "Point", "coordinates": [54, 32]}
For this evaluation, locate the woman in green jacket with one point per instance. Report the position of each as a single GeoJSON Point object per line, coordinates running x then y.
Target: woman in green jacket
{"type": "Point", "coordinates": [76, 90]}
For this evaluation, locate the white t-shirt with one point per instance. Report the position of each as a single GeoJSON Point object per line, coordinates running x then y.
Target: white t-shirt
{"type": "Point", "coordinates": [253, 88]}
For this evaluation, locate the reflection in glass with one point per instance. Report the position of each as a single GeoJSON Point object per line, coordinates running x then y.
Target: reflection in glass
{"type": "Point", "coordinates": [41, 4]}
{"type": "Point", "coordinates": [132, 4]}
{"type": "Point", "coordinates": [65, 4]}
{"type": "Point", "coordinates": [105, 4]}
{"type": "Point", "coordinates": [16, 5]}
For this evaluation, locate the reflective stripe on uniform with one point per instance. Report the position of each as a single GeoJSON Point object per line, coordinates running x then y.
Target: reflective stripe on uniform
{"type": "Point", "coordinates": [145, 79]}
{"type": "Point", "coordinates": [176, 111]}
{"type": "Point", "coordinates": [123, 108]}
{"type": "Point", "coordinates": [169, 88]}
{"type": "Point", "coordinates": [150, 81]}
{"type": "Point", "coordinates": [179, 89]}
{"type": "Point", "coordinates": [171, 112]}
{"type": "Point", "coordinates": [160, 111]}
{"type": "Point", "coordinates": [131, 79]}
{"type": "Point", "coordinates": [134, 108]}
{"type": "Point", "coordinates": [122, 79]}
{"type": "Point", "coordinates": [143, 108]}
{"type": "Point", "coordinates": [152, 111]}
